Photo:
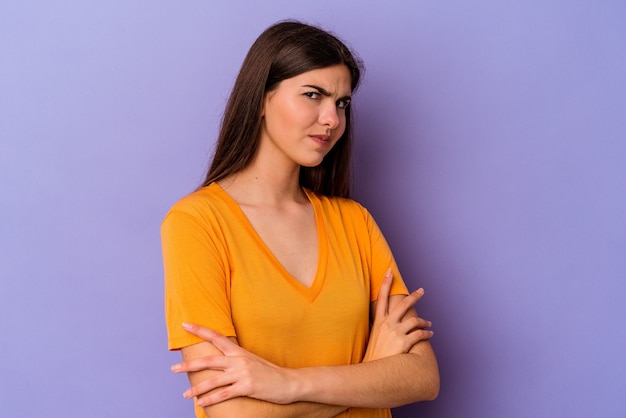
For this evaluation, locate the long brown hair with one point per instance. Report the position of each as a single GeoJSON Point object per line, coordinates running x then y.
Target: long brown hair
{"type": "Point", "coordinates": [282, 51]}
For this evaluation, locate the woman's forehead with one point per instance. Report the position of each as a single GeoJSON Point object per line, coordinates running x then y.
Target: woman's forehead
{"type": "Point", "coordinates": [335, 80]}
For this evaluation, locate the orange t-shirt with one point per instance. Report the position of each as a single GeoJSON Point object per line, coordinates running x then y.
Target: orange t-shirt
{"type": "Point", "coordinates": [221, 275]}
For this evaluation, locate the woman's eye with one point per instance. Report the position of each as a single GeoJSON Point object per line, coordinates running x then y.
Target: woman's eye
{"type": "Point", "coordinates": [343, 103]}
{"type": "Point", "coordinates": [312, 95]}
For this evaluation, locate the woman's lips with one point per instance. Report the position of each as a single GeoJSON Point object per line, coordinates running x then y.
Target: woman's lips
{"type": "Point", "coordinates": [321, 139]}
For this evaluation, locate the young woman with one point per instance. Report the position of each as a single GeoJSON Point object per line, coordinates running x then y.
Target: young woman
{"type": "Point", "coordinates": [280, 291]}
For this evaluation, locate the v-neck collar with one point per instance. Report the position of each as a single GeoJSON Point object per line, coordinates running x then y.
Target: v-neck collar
{"type": "Point", "coordinates": [309, 293]}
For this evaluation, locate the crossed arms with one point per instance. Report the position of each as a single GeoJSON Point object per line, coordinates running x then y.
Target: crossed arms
{"type": "Point", "coordinates": [399, 367]}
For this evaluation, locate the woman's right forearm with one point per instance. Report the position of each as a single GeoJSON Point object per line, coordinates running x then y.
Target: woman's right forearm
{"type": "Point", "coordinates": [243, 406]}
{"type": "Point", "coordinates": [249, 407]}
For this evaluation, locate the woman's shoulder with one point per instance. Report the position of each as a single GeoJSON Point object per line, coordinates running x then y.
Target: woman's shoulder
{"type": "Point", "coordinates": [201, 202]}
{"type": "Point", "coordinates": [342, 206]}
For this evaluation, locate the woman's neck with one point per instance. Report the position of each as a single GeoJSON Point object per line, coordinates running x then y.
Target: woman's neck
{"type": "Point", "coordinates": [256, 185]}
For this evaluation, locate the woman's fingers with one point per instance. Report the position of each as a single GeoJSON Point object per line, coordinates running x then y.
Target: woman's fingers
{"type": "Point", "coordinates": [413, 323]}
{"type": "Point", "coordinates": [216, 381]}
{"type": "Point", "coordinates": [239, 373]}
{"type": "Point", "coordinates": [221, 342]}
{"type": "Point", "coordinates": [417, 336]}
{"type": "Point", "coordinates": [202, 363]}
{"type": "Point", "coordinates": [221, 395]}
{"type": "Point", "coordinates": [398, 311]}
{"type": "Point", "coordinates": [413, 330]}
{"type": "Point", "coordinates": [382, 303]}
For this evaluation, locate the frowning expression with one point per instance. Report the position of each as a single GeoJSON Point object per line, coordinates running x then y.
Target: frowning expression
{"type": "Point", "coordinates": [304, 117]}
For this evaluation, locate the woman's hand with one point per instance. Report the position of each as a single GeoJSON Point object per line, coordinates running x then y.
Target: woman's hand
{"type": "Point", "coordinates": [396, 331]}
{"type": "Point", "coordinates": [243, 373]}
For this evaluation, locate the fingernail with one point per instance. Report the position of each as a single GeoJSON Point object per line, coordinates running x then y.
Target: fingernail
{"type": "Point", "coordinates": [388, 273]}
{"type": "Point", "coordinates": [201, 402]}
{"type": "Point", "coordinates": [187, 394]}
{"type": "Point", "coordinates": [175, 367]}
{"type": "Point", "coordinates": [186, 325]}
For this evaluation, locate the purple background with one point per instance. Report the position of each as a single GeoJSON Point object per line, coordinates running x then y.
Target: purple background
{"type": "Point", "coordinates": [491, 149]}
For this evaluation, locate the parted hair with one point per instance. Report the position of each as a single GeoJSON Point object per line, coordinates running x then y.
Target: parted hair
{"type": "Point", "coordinates": [284, 50]}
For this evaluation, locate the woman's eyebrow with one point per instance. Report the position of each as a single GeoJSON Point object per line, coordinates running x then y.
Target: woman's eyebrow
{"type": "Point", "coordinates": [324, 92]}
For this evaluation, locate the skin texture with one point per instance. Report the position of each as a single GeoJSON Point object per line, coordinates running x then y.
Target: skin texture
{"type": "Point", "coordinates": [246, 406]}
{"type": "Point", "coordinates": [303, 118]}
{"type": "Point", "coordinates": [397, 330]}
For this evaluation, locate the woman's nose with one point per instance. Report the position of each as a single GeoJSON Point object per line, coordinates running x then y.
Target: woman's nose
{"type": "Point", "coordinates": [330, 116]}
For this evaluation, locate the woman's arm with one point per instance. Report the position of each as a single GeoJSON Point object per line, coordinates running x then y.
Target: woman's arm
{"type": "Point", "coordinates": [390, 380]}
{"type": "Point", "coordinates": [395, 329]}
{"type": "Point", "coordinates": [246, 406]}
{"type": "Point", "coordinates": [382, 382]}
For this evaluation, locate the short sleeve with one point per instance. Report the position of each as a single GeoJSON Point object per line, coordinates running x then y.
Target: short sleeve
{"type": "Point", "coordinates": [381, 260]}
{"type": "Point", "coordinates": [197, 288]}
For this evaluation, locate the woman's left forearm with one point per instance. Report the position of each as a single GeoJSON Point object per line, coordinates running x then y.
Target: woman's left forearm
{"type": "Point", "coordinates": [388, 376]}
{"type": "Point", "coordinates": [385, 383]}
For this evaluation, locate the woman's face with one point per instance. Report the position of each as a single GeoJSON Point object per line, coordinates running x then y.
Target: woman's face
{"type": "Point", "coordinates": [305, 116]}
